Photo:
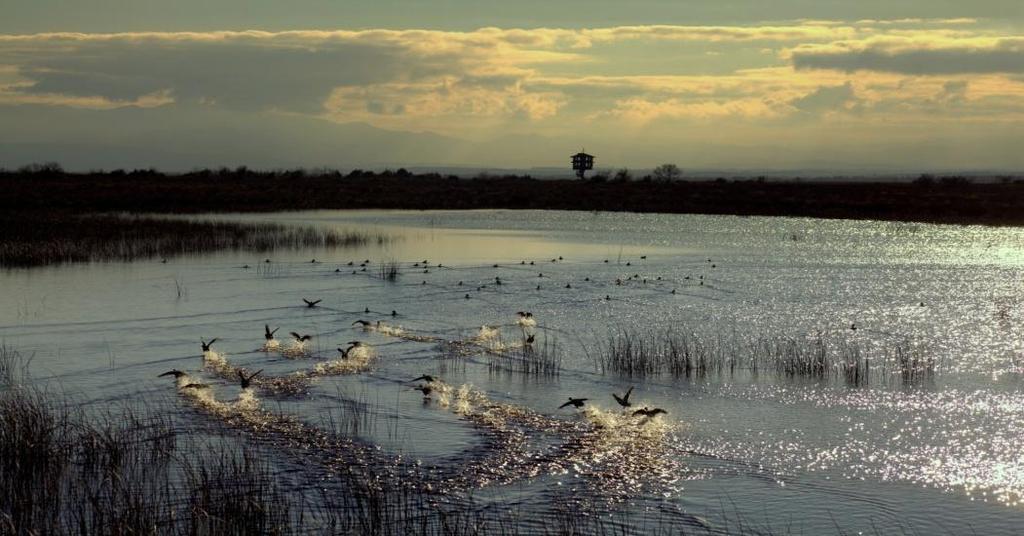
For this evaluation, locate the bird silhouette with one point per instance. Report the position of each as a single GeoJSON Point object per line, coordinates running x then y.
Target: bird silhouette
{"type": "Point", "coordinates": [247, 381]}
{"type": "Point", "coordinates": [647, 412]}
{"type": "Point", "coordinates": [269, 333]}
{"type": "Point", "coordinates": [300, 338]}
{"type": "Point", "coordinates": [196, 386]}
{"type": "Point", "coordinates": [574, 402]}
{"type": "Point", "coordinates": [426, 377]}
{"type": "Point", "coordinates": [531, 338]}
{"type": "Point", "coordinates": [311, 304]}
{"type": "Point", "coordinates": [624, 399]}
{"type": "Point", "coordinates": [207, 345]}
{"type": "Point", "coordinates": [173, 372]}
{"type": "Point", "coordinates": [364, 323]}
{"type": "Point", "coordinates": [425, 389]}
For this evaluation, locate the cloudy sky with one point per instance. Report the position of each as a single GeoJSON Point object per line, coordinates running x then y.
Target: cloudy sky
{"type": "Point", "coordinates": [864, 86]}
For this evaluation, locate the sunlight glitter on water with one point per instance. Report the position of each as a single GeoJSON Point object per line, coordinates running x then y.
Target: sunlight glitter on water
{"type": "Point", "coordinates": [871, 453]}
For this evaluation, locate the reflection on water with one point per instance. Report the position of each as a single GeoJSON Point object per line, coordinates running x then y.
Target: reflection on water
{"type": "Point", "coordinates": [816, 451]}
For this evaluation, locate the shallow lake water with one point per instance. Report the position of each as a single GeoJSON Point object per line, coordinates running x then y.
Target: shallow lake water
{"type": "Point", "coordinates": [737, 448]}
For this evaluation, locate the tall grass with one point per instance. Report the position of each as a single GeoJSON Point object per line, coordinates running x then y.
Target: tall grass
{"type": "Point", "coordinates": [544, 359]}
{"type": "Point", "coordinates": [691, 354]}
{"type": "Point", "coordinates": [390, 270]}
{"type": "Point", "coordinates": [35, 239]}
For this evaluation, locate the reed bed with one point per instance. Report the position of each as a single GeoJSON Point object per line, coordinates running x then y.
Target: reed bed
{"type": "Point", "coordinates": [36, 239]}
{"type": "Point", "coordinates": [691, 354]}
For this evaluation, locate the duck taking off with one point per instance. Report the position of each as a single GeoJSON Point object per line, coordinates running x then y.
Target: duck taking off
{"type": "Point", "coordinates": [647, 412]}
{"type": "Point", "coordinates": [311, 304]}
{"type": "Point", "coordinates": [574, 402]}
{"type": "Point", "coordinates": [207, 345]}
{"type": "Point", "coordinates": [300, 338]}
{"type": "Point", "coordinates": [426, 377]}
{"type": "Point", "coordinates": [624, 400]}
{"type": "Point", "coordinates": [269, 333]}
{"type": "Point", "coordinates": [247, 381]}
{"type": "Point", "coordinates": [425, 389]}
{"type": "Point", "coordinates": [173, 372]}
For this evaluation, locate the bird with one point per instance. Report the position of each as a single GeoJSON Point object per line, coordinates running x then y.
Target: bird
{"type": "Point", "coordinates": [624, 399]}
{"type": "Point", "coordinates": [568, 285]}
{"type": "Point", "coordinates": [173, 372]}
{"type": "Point", "coordinates": [531, 338]}
{"type": "Point", "coordinates": [364, 323]}
{"type": "Point", "coordinates": [351, 345]}
{"type": "Point", "coordinates": [269, 333]}
{"type": "Point", "coordinates": [467, 296]}
{"type": "Point", "coordinates": [643, 256]}
{"type": "Point", "coordinates": [574, 402]}
{"type": "Point", "coordinates": [647, 412]}
{"type": "Point", "coordinates": [207, 345]}
{"type": "Point", "coordinates": [311, 304]}
{"type": "Point", "coordinates": [853, 327]}
{"type": "Point", "coordinates": [426, 377]}
{"type": "Point", "coordinates": [300, 338]}
{"type": "Point", "coordinates": [394, 312]}
{"type": "Point", "coordinates": [247, 381]}
{"type": "Point", "coordinates": [425, 389]}
{"type": "Point", "coordinates": [196, 386]}
{"type": "Point", "coordinates": [673, 291]}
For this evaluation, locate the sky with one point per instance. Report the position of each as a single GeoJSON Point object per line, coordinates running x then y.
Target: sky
{"type": "Point", "coordinates": [852, 87]}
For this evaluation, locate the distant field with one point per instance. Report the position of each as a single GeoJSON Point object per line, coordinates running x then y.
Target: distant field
{"type": "Point", "coordinates": [938, 200]}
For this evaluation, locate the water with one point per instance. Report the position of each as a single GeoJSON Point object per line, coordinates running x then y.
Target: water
{"type": "Point", "coordinates": [797, 455]}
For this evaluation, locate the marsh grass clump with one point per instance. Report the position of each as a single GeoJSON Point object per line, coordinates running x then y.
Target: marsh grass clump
{"type": "Point", "coordinates": [544, 359]}
{"type": "Point", "coordinates": [389, 271]}
{"type": "Point", "coordinates": [41, 238]}
{"type": "Point", "coordinates": [13, 366]}
{"type": "Point", "coordinates": [816, 357]}
{"type": "Point", "coordinates": [65, 472]}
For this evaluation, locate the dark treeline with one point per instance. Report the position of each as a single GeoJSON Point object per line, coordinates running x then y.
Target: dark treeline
{"type": "Point", "coordinates": [927, 199]}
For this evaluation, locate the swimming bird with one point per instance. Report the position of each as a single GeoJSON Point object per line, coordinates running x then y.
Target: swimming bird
{"type": "Point", "coordinates": [467, 296]}
{"type": "Point", "coordinates": [394, 312]}
{"type": "Point", "coordinates": [624, 399]}
{"type": "Point", "coordinates": [300, 338]}
{"type": "Point", "coordinates": [643, 256]}
{"type": "Point", "coordinates": [268, 333]}
{"type": "Point", "coordinates": [246, 382]}
{"type": "Point", "coordinates": [311, 304]}
{"type": "Point", "coordinates": [426, 377]}
{"type": "Point", "coordinates": [574, 402]}
{"type": "Point", "coordinates": [206, 345]}
{"type": "Point", "coordinates": [647, 412]}
{"type": "Point", "coordinates": [173, 372]}
{"type": "Point", "coordinates": [366, 309]}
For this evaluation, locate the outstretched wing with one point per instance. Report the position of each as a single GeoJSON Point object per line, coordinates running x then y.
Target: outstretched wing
{"type": "Point", "coordinates": [569, 403]}
{"type": "Point", "coordinates": [296, 335]}
{"type": "Point", "coordinates": [211, 342]}
{"type": "Point", "coordinates": [629, 392]}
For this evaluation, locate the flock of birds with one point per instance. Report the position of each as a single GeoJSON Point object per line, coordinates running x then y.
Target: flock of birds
{"type": "Point", "coordinates": [622, 401]}
{"type": "Point", "coordinates": [525, 320]}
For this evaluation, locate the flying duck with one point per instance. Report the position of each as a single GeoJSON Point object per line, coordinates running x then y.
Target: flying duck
{"type": "Point", "coordinates": [246, 382]}
{"type": "Point", "coordinates": [624, 399]}
{"type": "Point", "coordinates": [311, 304]}
{"type": "Point", "coordinates": [574, 402]}
{"type": "Point", "coordinates": [269, 333]}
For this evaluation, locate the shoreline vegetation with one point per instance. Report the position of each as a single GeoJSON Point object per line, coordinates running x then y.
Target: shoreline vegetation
{"type": "Point", "coordinates": [927, 199]}
{"type": "Point", "coordinates": [50, 216]}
